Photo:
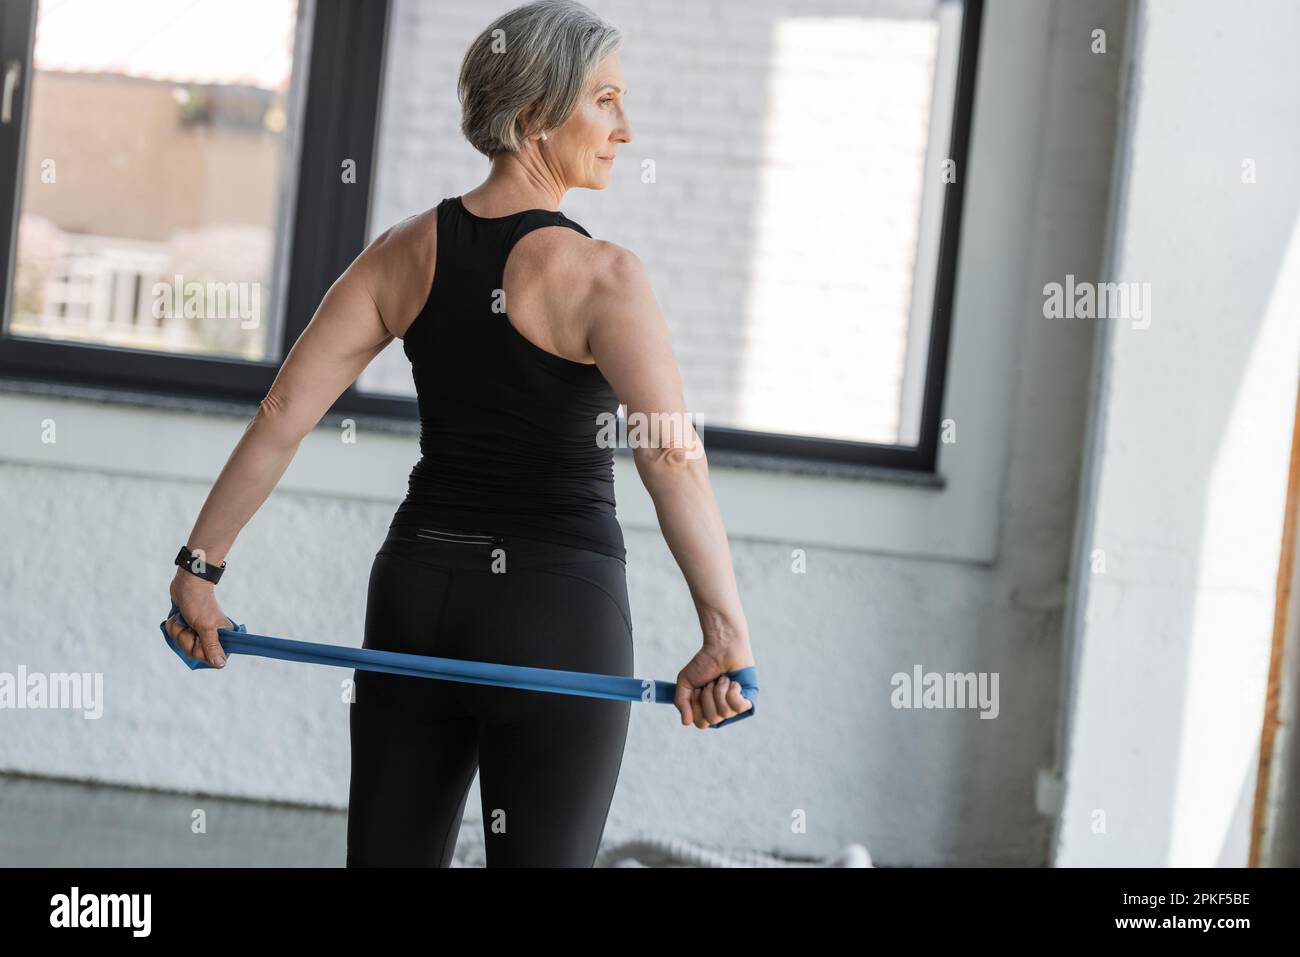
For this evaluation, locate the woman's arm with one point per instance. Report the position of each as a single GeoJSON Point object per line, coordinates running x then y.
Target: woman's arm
{"type": "Point", "coordinates": [629, 339]}
{"type": "Point", "coordinates": [346, 333]}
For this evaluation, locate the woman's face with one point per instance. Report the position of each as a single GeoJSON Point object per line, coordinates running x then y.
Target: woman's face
{"type": "Point", "coordinates": [585, 146]}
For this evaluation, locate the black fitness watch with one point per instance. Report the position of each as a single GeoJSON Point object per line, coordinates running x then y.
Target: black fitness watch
{"type": "Point", "coordinates": [189, 561]}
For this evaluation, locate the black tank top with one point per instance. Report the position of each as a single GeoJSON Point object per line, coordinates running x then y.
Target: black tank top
{"type": "Point", "coordinates": [508, 430]}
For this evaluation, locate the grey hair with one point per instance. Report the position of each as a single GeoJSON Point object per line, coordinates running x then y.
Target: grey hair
{"type": "Point", "coordinates": [538, 57]}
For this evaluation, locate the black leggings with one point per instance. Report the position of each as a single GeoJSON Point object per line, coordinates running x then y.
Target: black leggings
{"type": "Point", "coordinates": [548, 763]}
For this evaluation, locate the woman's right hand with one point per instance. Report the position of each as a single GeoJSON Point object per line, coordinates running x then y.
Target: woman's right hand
{"type": "Point", "coordinates": [197, 602]}
{"type": "Point", "coordinates": [705, 695]}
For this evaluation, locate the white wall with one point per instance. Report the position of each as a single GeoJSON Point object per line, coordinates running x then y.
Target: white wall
{"type": "Point", "coordinates": [967, 576]}
{"type": "Point", "coordinates": [1192, 435]}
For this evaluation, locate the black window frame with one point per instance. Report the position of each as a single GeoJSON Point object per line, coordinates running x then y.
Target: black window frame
{"type": "Point", "coordinates": [329, 228]}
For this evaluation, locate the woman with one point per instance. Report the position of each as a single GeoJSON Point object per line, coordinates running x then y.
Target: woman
{"type": "Point", "coordinates": [506, 548]}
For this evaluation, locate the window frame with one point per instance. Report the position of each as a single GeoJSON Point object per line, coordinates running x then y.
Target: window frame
{"type": "Point", "coordinates": [329, 228]}
{"type": "Point", "coordinates": [327, 225]}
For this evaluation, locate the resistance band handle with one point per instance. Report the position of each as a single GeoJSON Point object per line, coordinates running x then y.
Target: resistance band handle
{"type": "Point", "coordinates": [664, 691]}
{"type": "Point", "coordinates": [193, 663]}
{"type": "Point", "coordinates": [747, 678]}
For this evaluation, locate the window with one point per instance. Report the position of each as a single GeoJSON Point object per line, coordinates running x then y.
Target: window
{"type": "Point", "coordinates": [177, 177]}
{"type": "Point", "coordinates": [796, 192]}
{"type": "Point", "coordinates": [150, 213]}
{"type": "Point", "coordinates": [801, 217]}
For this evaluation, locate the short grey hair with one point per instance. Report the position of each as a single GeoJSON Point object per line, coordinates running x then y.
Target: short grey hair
{"type": "Point", "coordinates": [538, 57]}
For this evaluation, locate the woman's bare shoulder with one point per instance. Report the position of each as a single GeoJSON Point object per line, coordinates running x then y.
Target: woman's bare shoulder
{"type": "Point", "coordinates": [570, 260]}
{"type": "Point", "coordinates": [399, 267]}
{"type": "Point", "coordinates": [612, 295]}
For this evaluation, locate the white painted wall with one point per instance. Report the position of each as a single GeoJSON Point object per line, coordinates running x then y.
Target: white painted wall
{"type": "Point", "coordinates": [967, 576]}
{"type": "Point", "coordinates": [1186, 480]}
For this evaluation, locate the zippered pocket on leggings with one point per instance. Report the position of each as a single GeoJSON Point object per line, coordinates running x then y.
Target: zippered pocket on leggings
{"type": "Point", "coordinates": [452, 535]}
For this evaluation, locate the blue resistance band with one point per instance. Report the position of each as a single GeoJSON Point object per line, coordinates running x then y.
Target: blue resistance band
{"type": "Point", "coordinates": [240, 642]}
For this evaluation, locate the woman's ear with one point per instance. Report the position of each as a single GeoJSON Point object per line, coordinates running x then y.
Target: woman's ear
{"type": "Point", "coordinates": [522, 123]}
{"type": "Point", "coordinates": [526, 120]}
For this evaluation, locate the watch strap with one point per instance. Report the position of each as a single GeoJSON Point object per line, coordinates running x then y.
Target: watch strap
{"type": "Point", "coordinates": [192, 563]}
